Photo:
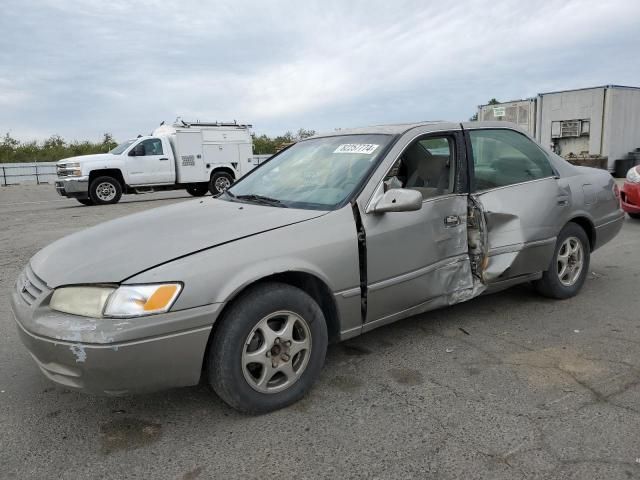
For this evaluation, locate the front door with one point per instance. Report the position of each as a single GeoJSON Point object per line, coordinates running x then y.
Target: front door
{"type": "Point", "coordinates": [417, 258]}
{"type": "Point", "coordinates": [524, 207]}
{"type": "Point", "coordinates": [151, 164]}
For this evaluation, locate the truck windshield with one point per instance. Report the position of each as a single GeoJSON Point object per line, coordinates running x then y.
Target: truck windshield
{"type": "Point", "coordinates": [317, 174]}
{"type": "Point", "coordinates": [122, 147]}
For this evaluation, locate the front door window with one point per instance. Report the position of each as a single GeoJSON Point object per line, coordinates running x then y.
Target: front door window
{"type": "Point", "coordinates": [427, 166]}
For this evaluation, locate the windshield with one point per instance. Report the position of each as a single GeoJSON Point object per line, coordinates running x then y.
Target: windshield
{"type": "Point", "coordinates": [314, 174]}
{"type": "Point", "coordinates": [122, 147]}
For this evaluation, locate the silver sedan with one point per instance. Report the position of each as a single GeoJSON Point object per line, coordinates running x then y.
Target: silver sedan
{"type": "Point", "coordinates": [332, 237]}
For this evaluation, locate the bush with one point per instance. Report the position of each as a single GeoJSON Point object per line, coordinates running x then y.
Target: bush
{"type": "Point", "coordinates": [52, 149]}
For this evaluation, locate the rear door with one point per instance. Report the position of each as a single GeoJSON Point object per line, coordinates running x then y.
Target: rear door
{"type": "Point", "coordinates": [517, 188]}
{"type": "Point", "coordinates": [419, 257]}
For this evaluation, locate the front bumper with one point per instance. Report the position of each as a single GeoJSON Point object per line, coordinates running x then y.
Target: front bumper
{"type": "Point", "coordinates": [115, 356]}
{"type": "Point", "coordinates": [74, 187]}
{"type": "Point", "coordinates": [630, 197]}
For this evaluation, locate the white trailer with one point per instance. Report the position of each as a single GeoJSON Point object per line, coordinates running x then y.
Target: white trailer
{"type": "Point", "coordinates": [198, 157]}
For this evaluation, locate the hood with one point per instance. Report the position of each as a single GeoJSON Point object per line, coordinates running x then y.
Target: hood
{"type": "Point", "coordinates": [114, 251]}
{"type": "Point", "coordinates": [95, 157]}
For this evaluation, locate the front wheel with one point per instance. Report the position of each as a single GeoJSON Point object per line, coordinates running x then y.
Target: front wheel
{"type": "Point", "coordinates": [268, 349]}
{"type": "Point", "coordinates": [219, 183]}
{"type": "Point", "coordinates": [105, 191]}
{"type": "Point", "coordinates": [197, 189]}
{"type": "Point", "coordinates": [569, 266]}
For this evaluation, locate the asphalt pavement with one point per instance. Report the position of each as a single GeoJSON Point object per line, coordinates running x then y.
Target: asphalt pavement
{"type": "Point", "coordinates": [505, 386]}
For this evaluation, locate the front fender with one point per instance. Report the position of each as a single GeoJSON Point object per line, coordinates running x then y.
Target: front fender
{"type": "Point", "coordinates": [325, 247]}
{"type": "Point", "coordinates": [112, 164]}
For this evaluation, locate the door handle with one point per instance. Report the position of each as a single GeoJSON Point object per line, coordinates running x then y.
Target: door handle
{"type": "Point", "coordinates": [164, 158]}
{"type": "Point", "coordinates": [451, 221]}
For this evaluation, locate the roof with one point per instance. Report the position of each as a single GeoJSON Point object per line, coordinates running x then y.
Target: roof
{"type": "Point", "coordinates": [506, 102]}
{"type": "Point", "coordinates": [589, 88]}
{"type": "Point", "coordinates": [400, 128]}
{"type": "Point", "coordinates": [529, 99]}
{"type": "Point", "coordinates": [391, 129]}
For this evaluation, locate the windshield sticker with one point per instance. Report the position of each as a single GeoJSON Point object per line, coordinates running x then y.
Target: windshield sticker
{"type": "Point", "coordinates": [366, 148]}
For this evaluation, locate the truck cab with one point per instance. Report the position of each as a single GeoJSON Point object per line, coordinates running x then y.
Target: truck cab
{"type": "Point", "coordinates": [197, 157]}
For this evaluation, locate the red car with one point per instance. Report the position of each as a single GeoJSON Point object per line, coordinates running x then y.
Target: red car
{"type": "Point", "coordinates": [630, 193]}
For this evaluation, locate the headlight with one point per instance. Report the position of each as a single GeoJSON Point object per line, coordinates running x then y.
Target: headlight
{"type": "Point", "coordinates": [633, 175]}
{"type": "Point", "coordinates": [125, 301]}
{"type": "Point", "coordinates": [85, 301]}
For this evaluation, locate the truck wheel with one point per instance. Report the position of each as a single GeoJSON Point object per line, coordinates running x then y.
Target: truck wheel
{"type": "Point", "coordinates": [85, 201]}
{"type": "Point", "coordinates": [635, 215]}
{"type": "Point", "coordinates": [105, 191]}
{"type": "Point", "coordinates": [569, 265]}
{"type": "Point", "coordinates": [268, 349]}
{"type": "Point", "coordinates": [220, 181]}
{"type": "Point", "coordinates": [197, 189]}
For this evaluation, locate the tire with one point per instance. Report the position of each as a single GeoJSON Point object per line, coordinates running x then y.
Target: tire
{"type": "Point", "coordinates": [232, 374]}
{"type": "Point", "coordinates": [105, 191]}
{"type": "Point", "coordinates": [85, 201]}
{"type": "Point", "coordinates": [556, 282]}
{"type": "Point", "coordinates": [198, 189]}
{"type": "Point", "coordinates": [635, 216]}
{"type": "Point", "coordinates": [220, 181]}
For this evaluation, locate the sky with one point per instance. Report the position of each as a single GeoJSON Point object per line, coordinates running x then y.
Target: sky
{"type": "Point", "coordinates": [82, 68]}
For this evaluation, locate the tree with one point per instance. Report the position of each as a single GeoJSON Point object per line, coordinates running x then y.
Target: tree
{"type": "Point", "coordinates": [303, 133]}
{"type": "Point", "coordinates": [7, 147]}
{"type": "Point", "coordinates": [108, 142]}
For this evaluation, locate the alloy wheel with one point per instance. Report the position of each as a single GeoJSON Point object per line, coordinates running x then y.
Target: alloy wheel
{"type": "Point", "coordinates": [106, 191]}
{"type": "Point", "coordinates": [276, 352]}
{"type": "Point", "coordinates": [570, 261]}
{"type": "Point", "coordinates": [222, 184]}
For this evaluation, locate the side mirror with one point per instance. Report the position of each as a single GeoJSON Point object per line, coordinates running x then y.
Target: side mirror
{"type": "Point", "coordinates": [399, 200]}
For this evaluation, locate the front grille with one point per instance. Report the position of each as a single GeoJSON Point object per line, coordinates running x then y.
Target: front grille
{"type": "Point", "coordinates": [62, 171]}
{"type": "Point", "coordinates": [30, 287]}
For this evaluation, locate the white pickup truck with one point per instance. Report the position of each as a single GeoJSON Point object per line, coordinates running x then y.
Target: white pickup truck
{"type": "Point", "coordinates": [198, 157]}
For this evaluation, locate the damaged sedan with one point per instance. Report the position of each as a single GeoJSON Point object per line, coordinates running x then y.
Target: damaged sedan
{"type": "Point", "coordinates": [332, 237]}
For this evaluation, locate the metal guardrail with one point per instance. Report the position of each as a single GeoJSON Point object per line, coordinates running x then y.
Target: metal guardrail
{"type": "Point", "coordinates": [17, 173]}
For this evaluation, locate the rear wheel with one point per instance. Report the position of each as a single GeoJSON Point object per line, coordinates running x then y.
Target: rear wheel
{"type": "Point", "coordinates": [105, 191]}
{"type": "Point", "coordinates": [220, 181]}
{"type": "Point", "coordinates": [85, 201]}
{"type": "Point", "coordinates": [569, 266]}
{"type": "Point", "coordinates": [197, 189]}
{"type": "Point", "coordinates": [268, 349]}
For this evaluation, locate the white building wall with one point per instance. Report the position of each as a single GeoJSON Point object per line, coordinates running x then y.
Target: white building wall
{"type": "Point", "coordinates": [622, 124]}
{"type": "Point", "coordinates": [572, 105]}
